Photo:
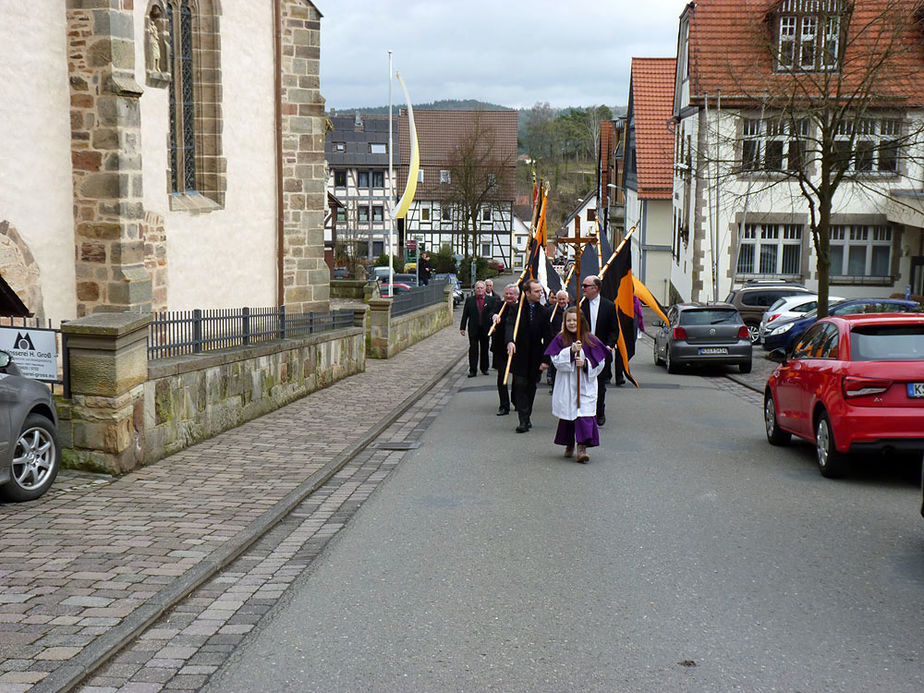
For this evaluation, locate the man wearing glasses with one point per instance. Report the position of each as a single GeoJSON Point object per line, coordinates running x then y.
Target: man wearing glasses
{"type": "Point", "coordinates": [604, 323]}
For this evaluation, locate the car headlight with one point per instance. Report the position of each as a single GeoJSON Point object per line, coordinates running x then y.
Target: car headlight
{"type": "Point", "coordinates": [781, 329]}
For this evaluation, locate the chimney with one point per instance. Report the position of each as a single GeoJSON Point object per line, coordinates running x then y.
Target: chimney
{"type": "Point", "coordinates": [358, 122]}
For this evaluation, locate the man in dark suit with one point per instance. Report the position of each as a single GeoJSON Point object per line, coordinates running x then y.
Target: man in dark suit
{"type": "Point", "coordinates": [476, 314]}
{"type": "Point", "coordinates": [499, 343]}
{"type": "Point", "coordinates": [604, 323]}
{"type": "Point", "coordinates": [528, 349]}
{"type": "Point", "coordinates": [562, 302]}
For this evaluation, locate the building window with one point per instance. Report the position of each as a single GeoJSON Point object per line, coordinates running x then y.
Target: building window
{"type": "Point", "coordinates": [182, 104]}
{"type": "Point", "coordinates": [773, 145]}
{"type": "Point", "coordinates": [425, 214]}
{"type": "Point", "coordinates": [485, 250]}
{"type": "Point", "coordinates": [378, 148]}
{"type": "Point", "coordinates": [492, 180]}
{"type": "Point", "coordinates": [444, 176]}
{"type": "Point", "coordinates": [869, 144]}
{"type": "Point", "coordinates": [363, 212]}
{"type": "Point", "coordinates": [378, 213]}
{"type": "Point", "coordinates": [420, 175]}
{"type": "Point", "coordinates": [770, 249]}
{"type": "Point", "coordinates": [809, 35]}
{"type": "Point", "coordinates": [591, 215]}
{"type": "Point", "coordinates": [378, 179]}
{"type": "Point", "coordinates": [486, 214]}
{"type": "Point", "coordinates": [447, 214]}
{"type": "Point", "coordinates": [339, 146]}
{"type": "Point", "coordinates": [362, 179]}
{"type": "Point", "coordinates": [340, 179]}
{"type": "Point", "coordinates": [341, 214]}
{"type": "Point", "coordinates": [861, 251]}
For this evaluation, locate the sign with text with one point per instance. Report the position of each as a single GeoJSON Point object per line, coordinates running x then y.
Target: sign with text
{"type": "Point", "coordinates": [34, 351]}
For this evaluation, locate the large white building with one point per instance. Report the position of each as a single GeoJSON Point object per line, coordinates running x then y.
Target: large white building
{"type": "Point", "coordinates": [737, 213]}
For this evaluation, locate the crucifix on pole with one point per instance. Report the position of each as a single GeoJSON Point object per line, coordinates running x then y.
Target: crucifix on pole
{"type": "Point", "coordinates": [578, 242]}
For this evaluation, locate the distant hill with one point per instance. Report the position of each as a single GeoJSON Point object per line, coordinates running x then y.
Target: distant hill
{"type": "Point", "coordinates": [442, 105]}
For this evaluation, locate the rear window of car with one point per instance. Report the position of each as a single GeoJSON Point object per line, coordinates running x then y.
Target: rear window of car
{"type": "Point", "coordinates": [709, 316]}
{"type": "Point", "coordinates": [887, 343]}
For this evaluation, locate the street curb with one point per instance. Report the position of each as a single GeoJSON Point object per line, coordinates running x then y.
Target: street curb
{"type": "Point", "coordinates": [106, 646]}
{"type": "Point", "coordinates": [741, 381]}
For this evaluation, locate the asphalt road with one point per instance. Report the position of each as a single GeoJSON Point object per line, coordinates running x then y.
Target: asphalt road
{"type": "Point", "coordinates": [688, 555]}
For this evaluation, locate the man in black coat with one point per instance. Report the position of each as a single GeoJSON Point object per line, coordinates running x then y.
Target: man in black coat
{"type": "Point", "coordinates": [499, 343]}
{"type": "Point", "coordinates": [528, 349]}
{"type": "Point", "coordinates": [476, 314]}
{"type": "Point", "coordinates": [424, 269]}
{"type": "Point", "coordinates": [604, 323]}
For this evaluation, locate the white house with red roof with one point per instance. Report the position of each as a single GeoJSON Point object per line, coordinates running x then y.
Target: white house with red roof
{"type": "Point", "coordinates": [648, 177]}
{"type": "Point", "coordinates": [738, 213]}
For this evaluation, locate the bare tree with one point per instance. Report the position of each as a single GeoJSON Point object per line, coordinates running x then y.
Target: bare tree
{"type": "Point", "coordinates": [828, 105]}
{"type": "Point", "coordinates": [481, 171]}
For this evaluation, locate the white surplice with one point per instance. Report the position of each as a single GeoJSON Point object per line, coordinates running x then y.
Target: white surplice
{"type": "Point", "coordinates": [564, 395]}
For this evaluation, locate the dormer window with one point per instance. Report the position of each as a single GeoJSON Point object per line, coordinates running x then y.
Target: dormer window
{"type": "Point", "coordinates": [809, 35]}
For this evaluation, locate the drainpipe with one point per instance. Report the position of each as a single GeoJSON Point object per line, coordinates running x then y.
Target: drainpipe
{"type": "Point", "coordinates": [280, 219]}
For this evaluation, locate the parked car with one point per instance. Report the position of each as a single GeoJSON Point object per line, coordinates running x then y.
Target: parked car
{"type": "Point", "coordinates": [405, 278]}
{"type": "Point", "coordinates": [702, 333]}
{"type": "Point", "coordinates": [457, 295]}
{"type": "Point", "coordinates": [752, 299]}
{"type": "Point", "coordinates": [342, 273]}
{"type": "Point", "coordinates": [30, 455]}
{"type": "Point", "coordinates": [385, 289]}
{"type": "Point", "coordinates": [852, 384]}
{"type": "Point", "coordinates": [785, 334]}
{"type": "Point", "coordinates": [789, 308]}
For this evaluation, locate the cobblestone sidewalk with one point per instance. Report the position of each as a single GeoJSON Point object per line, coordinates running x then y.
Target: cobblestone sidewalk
{"type": "Point", "coordinates": [98, 560]}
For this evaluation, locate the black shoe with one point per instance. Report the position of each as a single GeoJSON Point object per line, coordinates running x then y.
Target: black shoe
{"type": "Point", "coordinates": [601, 419]}
{"type": "Point", "coordinates": [503, 411]}
{"type": "Point", "coordinates": [484, 372]}
{"type": "Point", "coordinates": [619, 382]}
{"type": "Point", "coordinates": [529, 424]}
{"type": "Point", "coordinates": [471, 375]}
{"type": "Point", "coordinates": [522, 428]}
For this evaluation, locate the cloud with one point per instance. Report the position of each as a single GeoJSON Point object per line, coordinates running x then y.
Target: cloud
{"type": "Point", "coordinates": [509, 52]}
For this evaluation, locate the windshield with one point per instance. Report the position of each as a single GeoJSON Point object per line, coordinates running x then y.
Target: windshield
{"type": "Point", "coordinates": [887, 343]}
{"type": "Point", "coordinates": [709, 317]}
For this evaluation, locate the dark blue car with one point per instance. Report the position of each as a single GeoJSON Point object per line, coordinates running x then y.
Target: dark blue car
{"type": "Point", "coordinates": [786, 334]}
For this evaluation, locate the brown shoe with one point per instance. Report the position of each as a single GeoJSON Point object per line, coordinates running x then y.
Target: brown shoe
{"type": "Point", "coordinates": [582, 455]}
{"type": "Point", "coordinates": [569, 451]}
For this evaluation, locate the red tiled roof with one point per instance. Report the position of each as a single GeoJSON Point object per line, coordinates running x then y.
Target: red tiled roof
{"type": "Point", "coordinates": [730, 49]}
{"type": "Point", "coordinates": [607, 143]}
{"type": "Point", "coordinates": [653, 105]}
{"type": "Point", "coordinates": [439, 133]}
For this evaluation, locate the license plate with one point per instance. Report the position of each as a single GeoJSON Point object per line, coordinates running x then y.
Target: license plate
{"type": "Point", "coordinates": [719, 350]}
{"type": "Point", "coordinates": [916, 389]}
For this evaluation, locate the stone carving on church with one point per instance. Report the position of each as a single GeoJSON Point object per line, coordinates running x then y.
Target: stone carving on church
{"type": "Point", "coordinates": [157, 47]}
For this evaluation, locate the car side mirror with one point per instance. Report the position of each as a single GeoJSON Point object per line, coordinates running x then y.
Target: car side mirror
{"type": "Point", "coordinates": [778, 355]}
{"type": "Point", "coordinates": [658, 323]}
{"type": "Point", "coordinates": [5, 359]}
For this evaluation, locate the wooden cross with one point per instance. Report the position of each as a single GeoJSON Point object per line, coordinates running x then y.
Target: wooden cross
{"type": "Point", "coordinates": [578, 242]}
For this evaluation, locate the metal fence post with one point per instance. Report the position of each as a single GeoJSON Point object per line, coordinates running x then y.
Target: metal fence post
{"type": "Point", "coordinates": [282, 322]}
{"type": "Point", "coordinates": [197, 331]}
{"type": "Point", "coordinates": [245, 326]}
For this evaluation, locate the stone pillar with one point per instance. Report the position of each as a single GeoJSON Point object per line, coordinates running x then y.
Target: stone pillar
{"type": "Point", "coordinates": [306, 277]}
{"type": "Point", "coordinates": [379, 334]}
{"type": "Point", "coordinates": [108, 363]}
{"type": "Point", "coordinates": [106, 157]}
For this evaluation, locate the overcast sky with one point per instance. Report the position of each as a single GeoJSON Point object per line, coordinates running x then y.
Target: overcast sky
{"type": "Point", "coordinates": [509, 52]}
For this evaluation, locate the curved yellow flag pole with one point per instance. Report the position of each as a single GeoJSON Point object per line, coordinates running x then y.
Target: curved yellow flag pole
{"type": "Point", "coordinates": [405, 202]}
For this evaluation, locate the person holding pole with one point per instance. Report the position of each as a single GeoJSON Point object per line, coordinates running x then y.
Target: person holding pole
{"type": "Point", "coordinates": [527, 338]}
{"type": "Point", "coordinates": [499, 343]}
{"type": "Point", "coordinates": [604, 324]}
{"type": "Point", "coordinates": [578, 357]}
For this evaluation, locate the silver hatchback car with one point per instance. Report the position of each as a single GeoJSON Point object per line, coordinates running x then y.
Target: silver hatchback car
{"type": "Point", "coordinates": [703, 333]}
{"type": "Point", "coordinates": [30, 454]}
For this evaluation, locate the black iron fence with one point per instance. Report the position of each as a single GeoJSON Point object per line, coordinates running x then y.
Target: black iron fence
{"type": "Point", "coordinates": [177, 333]}
{"type": "Point", "coordinates": [419, 297]}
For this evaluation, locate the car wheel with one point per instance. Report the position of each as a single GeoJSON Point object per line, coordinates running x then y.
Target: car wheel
{"type": "Point", "coordinates": [775, 434]}
{"type": "Point", "coordinates": [745, 367]}
{"type": "Point", "coordinates": [754, 333]}
{"type": "Point", "coordinates": [672, 366]}
{"type": "Point", "coordinates": [831, 463]}
{"type": "Point", "coordinates": [657, 359]}
{"type": "Point", "coordinates": [36, 459]}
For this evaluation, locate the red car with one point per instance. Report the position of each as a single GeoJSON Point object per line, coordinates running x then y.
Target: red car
{"type": "Point", "coordinates": [852, 384]}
